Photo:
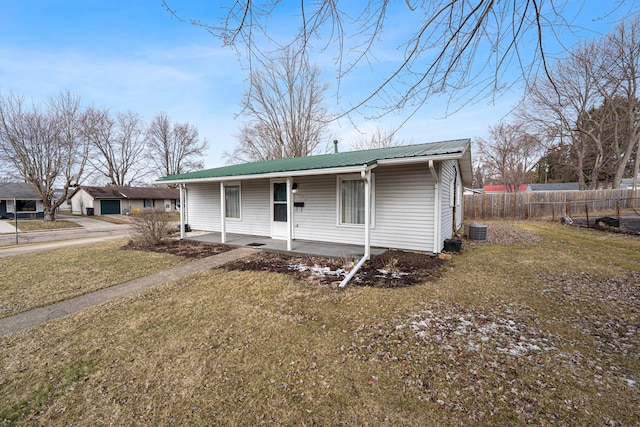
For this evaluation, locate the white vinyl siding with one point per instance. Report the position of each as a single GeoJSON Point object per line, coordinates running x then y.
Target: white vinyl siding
{"type": "Point", "coordinates": [402, 205]}
{"type": "Point", "coordinates": [318, 219]}
{"type": "Point", "coordinates": [451, 189]}
{"type": "Point", "coordinates": [204, 208]}
{"type": "Point", "coordinates": [255, 202]}
{"type": "Point", "coordinates": [404, 208]}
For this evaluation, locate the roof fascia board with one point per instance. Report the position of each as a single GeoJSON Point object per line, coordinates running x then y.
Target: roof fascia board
{"type": "Point", "coordinates": [420, 159]}
{"type": "Point", "coordinates": [305, 172]}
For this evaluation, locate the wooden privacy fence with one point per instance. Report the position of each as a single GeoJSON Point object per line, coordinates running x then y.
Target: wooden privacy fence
{"type": "Point", "coordinates": [548, 204]}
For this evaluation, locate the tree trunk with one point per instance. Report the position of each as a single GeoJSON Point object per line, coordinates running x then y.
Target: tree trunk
{"type": "Point", "coordinates": [49, 214]}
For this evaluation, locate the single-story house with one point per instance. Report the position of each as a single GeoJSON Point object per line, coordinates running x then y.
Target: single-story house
{"type": "Point", "coordinates": [407, 197]}
{"type": "Point", "coordinates": [20, 197]}
{"type": "Point", "coordinates": [121, 200]}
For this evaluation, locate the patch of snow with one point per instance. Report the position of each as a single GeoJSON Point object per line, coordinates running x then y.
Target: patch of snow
{"type": "Point", "coordinates": [318, 270]}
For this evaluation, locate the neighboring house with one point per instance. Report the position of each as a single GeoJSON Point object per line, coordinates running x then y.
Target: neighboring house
{"type": "Point", "coordinates": [559, 186]}
{"type": "Point", "coordinates": [121, 200]}
{"type": "Point", "coordinates": [414, 203]}
{"type": "Point", "coordinates": [28, 203]}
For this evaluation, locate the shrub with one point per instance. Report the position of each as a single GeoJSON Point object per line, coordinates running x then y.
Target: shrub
{"type": "Point", "coordinates": [150, 225]}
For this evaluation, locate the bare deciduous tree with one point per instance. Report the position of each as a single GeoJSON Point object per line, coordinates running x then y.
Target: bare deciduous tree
{"type": "Point", "coordinates": [566, 109]}
{"type": "Point", "coordinates": [44, 145]}
{"type": "Point", "coordinates": [120, 144]}
{"type": "Point", "coordinates": [621, 51]}
{"type": "Point", "coordinates": [593, 104]}
{"type": "Point", "coordinates": [462, 48]}
{"type": "Point", "coordinates": [285, 111]}
{"type": "Point", "coordinates": [510, 154]}
{"type": "Point", "coordinates": [174, 149]}
{"type": "Point", "coordinates": [378, 139]}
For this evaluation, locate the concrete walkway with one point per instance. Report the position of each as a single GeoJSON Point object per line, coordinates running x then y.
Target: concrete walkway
{"type": "Point", "coordinates": [6, 227]}
{"type": "Point", "coordinates": [38, 316]}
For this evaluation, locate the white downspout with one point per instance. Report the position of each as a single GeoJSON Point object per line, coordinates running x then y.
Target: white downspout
{"type": "Point", "coordinates": [436, 208]}
{"type": "Point", "coordinates": [366, 177]}
{"type": "Point", "coordinates": [223, 215]}
{"type": "Point", "coordinates": [181, 211]}
{"type": "Point", "coordinates": [289, 213]}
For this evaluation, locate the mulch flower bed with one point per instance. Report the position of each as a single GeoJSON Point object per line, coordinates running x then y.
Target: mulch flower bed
{"type": "Point", "coordinates": [389, 270]}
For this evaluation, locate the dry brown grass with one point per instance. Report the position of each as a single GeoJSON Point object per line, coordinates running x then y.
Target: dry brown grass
{"type": "Point", "coordinates": [38, 279]}
{"type": "Point", "coordinates": [541, 332]}
{"type": "Point", "coordinates": [40, 225]}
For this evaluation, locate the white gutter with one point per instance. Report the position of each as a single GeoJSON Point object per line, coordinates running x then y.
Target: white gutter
{"type": "Point", "coordinates": [366, 177]}
{"type": "Point", "coordinates": [181, 211]}
{"type": "Point", "coordinates": [436, 208]}
{"type": "Point", "coordinates": [223, 215]}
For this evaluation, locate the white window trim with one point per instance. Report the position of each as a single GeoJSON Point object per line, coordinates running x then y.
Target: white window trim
{"type": "Point", "coordinates": [372, 195]}
{"type": "Point", "coordinates": [239, 185]}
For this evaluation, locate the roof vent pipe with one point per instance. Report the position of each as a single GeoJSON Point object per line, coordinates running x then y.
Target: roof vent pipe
{"type": "Point", "coordinates": [335, 146]}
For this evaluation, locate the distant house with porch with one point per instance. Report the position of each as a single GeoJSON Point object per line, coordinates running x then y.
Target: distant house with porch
{"type": "Point", "coordinates": [21, 199]}
{"type": "Point", "coordinates": [406, 197]}
{"type": "Point", "coordinates": [115, 200]}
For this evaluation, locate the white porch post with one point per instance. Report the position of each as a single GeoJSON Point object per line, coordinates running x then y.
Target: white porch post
{"type": "Point", "coordinates": [181, 211]}
{"type": "Point", "coordinates": [223, 215]}
{"type": "Point", "coordinates": [367, 213]}
{"type": "Point", "coordinates": [289, 213]}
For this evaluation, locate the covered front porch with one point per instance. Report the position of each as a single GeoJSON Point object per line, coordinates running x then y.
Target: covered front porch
{"type": "Point", "coordinates": [303, 247]}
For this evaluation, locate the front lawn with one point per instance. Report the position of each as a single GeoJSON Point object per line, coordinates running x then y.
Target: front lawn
{"type": "Point", "coordinates": [541, 329]}
{"type": "Point", "coordinates": [38, 279]}
{"type": "Point", "coordinates": [40, 225]}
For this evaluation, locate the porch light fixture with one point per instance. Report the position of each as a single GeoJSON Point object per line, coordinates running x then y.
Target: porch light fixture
{"type": "Point", "coordinates": [294, 188]}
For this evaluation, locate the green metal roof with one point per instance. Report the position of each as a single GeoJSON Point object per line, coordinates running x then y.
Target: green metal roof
{"type": "Point", "coordinates": [327, 161]}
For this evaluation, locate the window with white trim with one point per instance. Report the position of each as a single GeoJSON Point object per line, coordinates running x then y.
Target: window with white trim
{"type": "Point", "coordinates": [26, 205]}
{"type": "Point", "coordinates": [232, 201]}
{"type": "Point", "coordinates": [351, 193]}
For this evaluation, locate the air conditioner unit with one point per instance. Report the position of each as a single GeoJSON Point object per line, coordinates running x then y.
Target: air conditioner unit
{"type": "Point", "coordinates": [476, 232]}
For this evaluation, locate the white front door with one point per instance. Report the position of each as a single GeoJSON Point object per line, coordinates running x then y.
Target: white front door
{"type": "Point", "coordinates": [167, 205]}
{"type": "Point", "coordinates": [279, 210]}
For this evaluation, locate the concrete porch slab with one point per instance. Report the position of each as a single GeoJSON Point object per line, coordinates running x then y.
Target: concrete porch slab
{"type": "Point", "coordinates": [331, 250]}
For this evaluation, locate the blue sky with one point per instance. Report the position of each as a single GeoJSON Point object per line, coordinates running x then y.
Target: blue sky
{"type": "Point", "coordinates": [132, 55]}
